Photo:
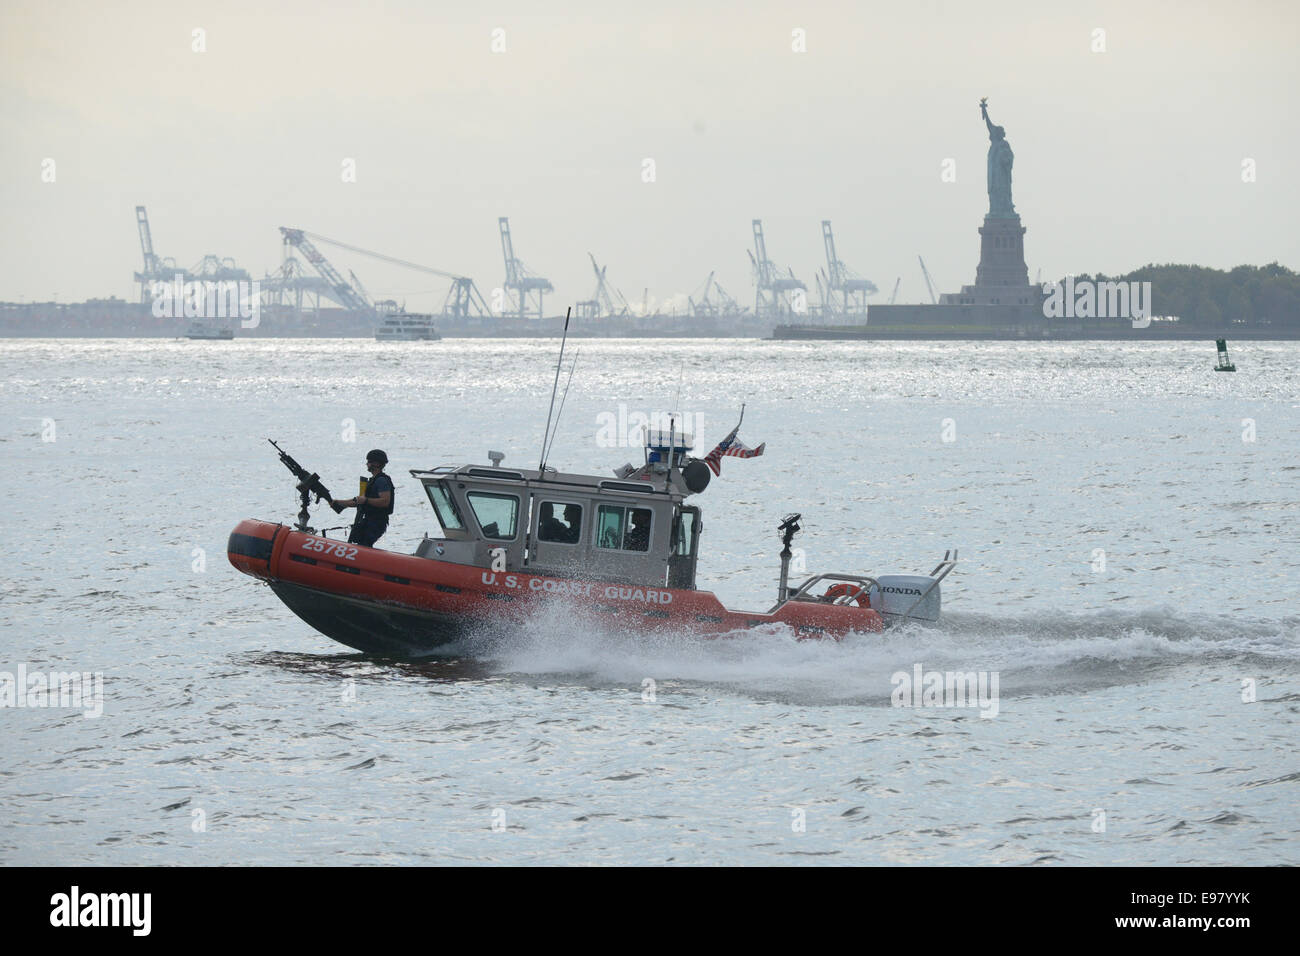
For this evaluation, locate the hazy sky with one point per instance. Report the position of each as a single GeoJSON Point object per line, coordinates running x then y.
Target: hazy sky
{"type": "Point", "coordinates": [1123, 157]}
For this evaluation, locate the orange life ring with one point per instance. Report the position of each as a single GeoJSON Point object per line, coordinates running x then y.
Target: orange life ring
{"type": "Point", "coordinates": [844, 589]}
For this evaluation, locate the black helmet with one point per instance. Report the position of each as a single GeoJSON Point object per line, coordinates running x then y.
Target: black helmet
{"type": "Point", "coordinates": [377, 454]}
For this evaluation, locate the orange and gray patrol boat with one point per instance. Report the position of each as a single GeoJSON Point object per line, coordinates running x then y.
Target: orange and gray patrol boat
{"type": "Point", "coordinates": [621, 551]}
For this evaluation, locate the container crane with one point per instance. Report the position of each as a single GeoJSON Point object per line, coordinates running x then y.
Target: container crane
{"type": "Point", "coordinates": [602, 304]}
{"type": "Point", "coordinates": [216, 269]}
{"type": "Point", "coordinates": [928, 284]}
{"type": "Point", "coordinates": [288, 286]}
{"type": "Point", "coordinates": [840, 279]}
{"type": "Point", "coordinates": [519, 280]}
{"type": "Point", "coordinates": [156, 269]}
{"type": "Point", "coordinates": [773, 292]}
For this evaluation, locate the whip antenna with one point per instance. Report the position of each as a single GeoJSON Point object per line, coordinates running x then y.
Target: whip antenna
{"type": "Point", "coordinates": [554, 388]}
{"type": "Point", "coordinates": [563, 398]}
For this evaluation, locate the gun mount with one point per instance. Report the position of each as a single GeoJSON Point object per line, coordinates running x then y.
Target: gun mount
{"type": "Point", "coordinates": [309, 484]}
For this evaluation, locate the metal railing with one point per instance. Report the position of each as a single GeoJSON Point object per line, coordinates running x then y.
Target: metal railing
{"type": "Point", "coordinates": [865, 584]}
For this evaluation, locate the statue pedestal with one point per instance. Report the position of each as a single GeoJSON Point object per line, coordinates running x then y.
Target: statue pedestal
{"type": "Point", "coordinates": [1002, 278]}
{"type": "Point", "coordinates": [1002, 254]}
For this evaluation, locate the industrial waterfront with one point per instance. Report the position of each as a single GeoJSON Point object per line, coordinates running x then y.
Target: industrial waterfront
{"type": "Point", "coordinates": [307, 296]}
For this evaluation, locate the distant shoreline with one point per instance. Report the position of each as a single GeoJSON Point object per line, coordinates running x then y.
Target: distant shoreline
{"type": "Point", "coordinates": [781, 335]}
{"type": "Point", "coordinates": [797, 334]}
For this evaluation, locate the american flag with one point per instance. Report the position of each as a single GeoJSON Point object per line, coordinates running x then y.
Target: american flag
{"type": "Point", "coordinates": [732, 447]}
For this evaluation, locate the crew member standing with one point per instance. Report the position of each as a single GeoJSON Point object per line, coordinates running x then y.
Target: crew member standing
{"type": "Point", "coordinates": [374, 507]}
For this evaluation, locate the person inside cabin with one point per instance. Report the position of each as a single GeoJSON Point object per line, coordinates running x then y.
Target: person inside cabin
{"type": "Point", "coordinates": [549, 527]}
{"type": "Point", "coordinates": [638, 530]}
{"type": "Point", "coordinates": [374, 507]}
{"type": "Point", "coordinates": [573, 518]}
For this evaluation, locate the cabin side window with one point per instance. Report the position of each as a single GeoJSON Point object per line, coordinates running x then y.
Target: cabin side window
{"type": "Point", "coordinates": [497, 515]}
{"type": "Point", "coordinates": [444, 507]}
{"type": "Point", "coordinates": [559, 522]}
{"type": "Point", "coordinates": [683, 530]}
{"type": "Point", "coordinates": [623, 529]}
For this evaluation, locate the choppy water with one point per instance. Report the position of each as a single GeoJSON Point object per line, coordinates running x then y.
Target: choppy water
{"type": "Point", "coordinates": [1121, 675]}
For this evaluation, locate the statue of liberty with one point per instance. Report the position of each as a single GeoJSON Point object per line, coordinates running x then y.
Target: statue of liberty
{"type": "Point", "coordinates": [999, 169]}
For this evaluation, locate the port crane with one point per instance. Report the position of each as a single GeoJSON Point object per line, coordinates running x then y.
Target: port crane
{"type": "Point", "coordinates": [381, 305]}
{"type": "Point", "coordinates": [775, 294]}
{"type": "Point", "coordinates": [894, 295]}
{"type": "Point", "coordinates": [463, 298]}
{"type": "Point", "coordinates": [288, 285]}
{"type": "Point", "coordinates": [928, 284]}
{"type": "Point", "coordinates": [840, 280]}
{"type": "Point", "coordinates": [727, 304]}
{"type": "Point", "coordinates": [706, 303]}
{"type": "Point", "coordinates": [340, 290]}
{"type": "Point", "coordinates": [824, 293]}
{"type": "Point", "coordinates": [524, 284]}
{"type": "Point", "coordinates": [356, 284]}
{"type": "Point", "coordinates": [713, 301]}
{"type": "Point", "coordinates": [217, 269]}
{"type": "Point", "coordinates": [157, 269]}
{"type": "Point", "coordinates": [602, 304]}
{"type": "Point", "coordinates": [704, 306]}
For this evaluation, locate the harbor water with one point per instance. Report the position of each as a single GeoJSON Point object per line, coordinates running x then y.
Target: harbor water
{"type": "Point", "coordinates": [1128, 591]}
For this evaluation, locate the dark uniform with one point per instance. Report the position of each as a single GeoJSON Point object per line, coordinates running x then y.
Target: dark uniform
{"type": "Point", "coordinates": [550, 528]}
{"type": "Point", "coordinates": [372, 520]}
{"type": "Point", "coordinates": [638, 532]}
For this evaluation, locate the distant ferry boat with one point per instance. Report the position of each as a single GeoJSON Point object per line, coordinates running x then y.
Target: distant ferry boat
{"type": "Point", "coordinates": [205, 331]}
{"type": "Point", "coordinates": [406, 327]}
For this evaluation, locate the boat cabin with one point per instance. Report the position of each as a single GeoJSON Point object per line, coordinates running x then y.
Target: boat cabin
{"type": "Point", "coordinates": [633, 528]}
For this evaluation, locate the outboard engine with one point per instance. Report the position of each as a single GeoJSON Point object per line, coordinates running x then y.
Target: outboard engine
{"type": "Point", "coordinates": [913, 596]}
{"type": "Point", "coordinates": [903, 597]}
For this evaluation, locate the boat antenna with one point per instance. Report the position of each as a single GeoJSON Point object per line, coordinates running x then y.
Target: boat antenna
{"type": "Point", "coordinates": [672, 449]}
{"type": "Point", "coordinates": [554, 388]}
{"type": "Point", "coordinates": [681, 373]}
{"type": "Point", "coordinates": [563, 398]}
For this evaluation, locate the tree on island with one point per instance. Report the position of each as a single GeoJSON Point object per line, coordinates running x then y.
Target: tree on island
{"type": "Point", "coordinates": [1249, 296]}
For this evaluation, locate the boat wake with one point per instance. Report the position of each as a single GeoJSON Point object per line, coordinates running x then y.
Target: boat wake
{"type": "Point", "coordinates": [1041, 653]}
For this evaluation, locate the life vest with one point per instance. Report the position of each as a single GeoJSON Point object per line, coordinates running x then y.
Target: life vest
{"type": "Point", "coordinates": [374, 512]}
{"type": "Point", "coordinates": [844, 589]}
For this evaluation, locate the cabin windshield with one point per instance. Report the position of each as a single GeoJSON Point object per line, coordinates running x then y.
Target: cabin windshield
{"type": "Point", "coordinates": [497, 515]}
{"type": "Point", "coordinates": [444, 506]}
